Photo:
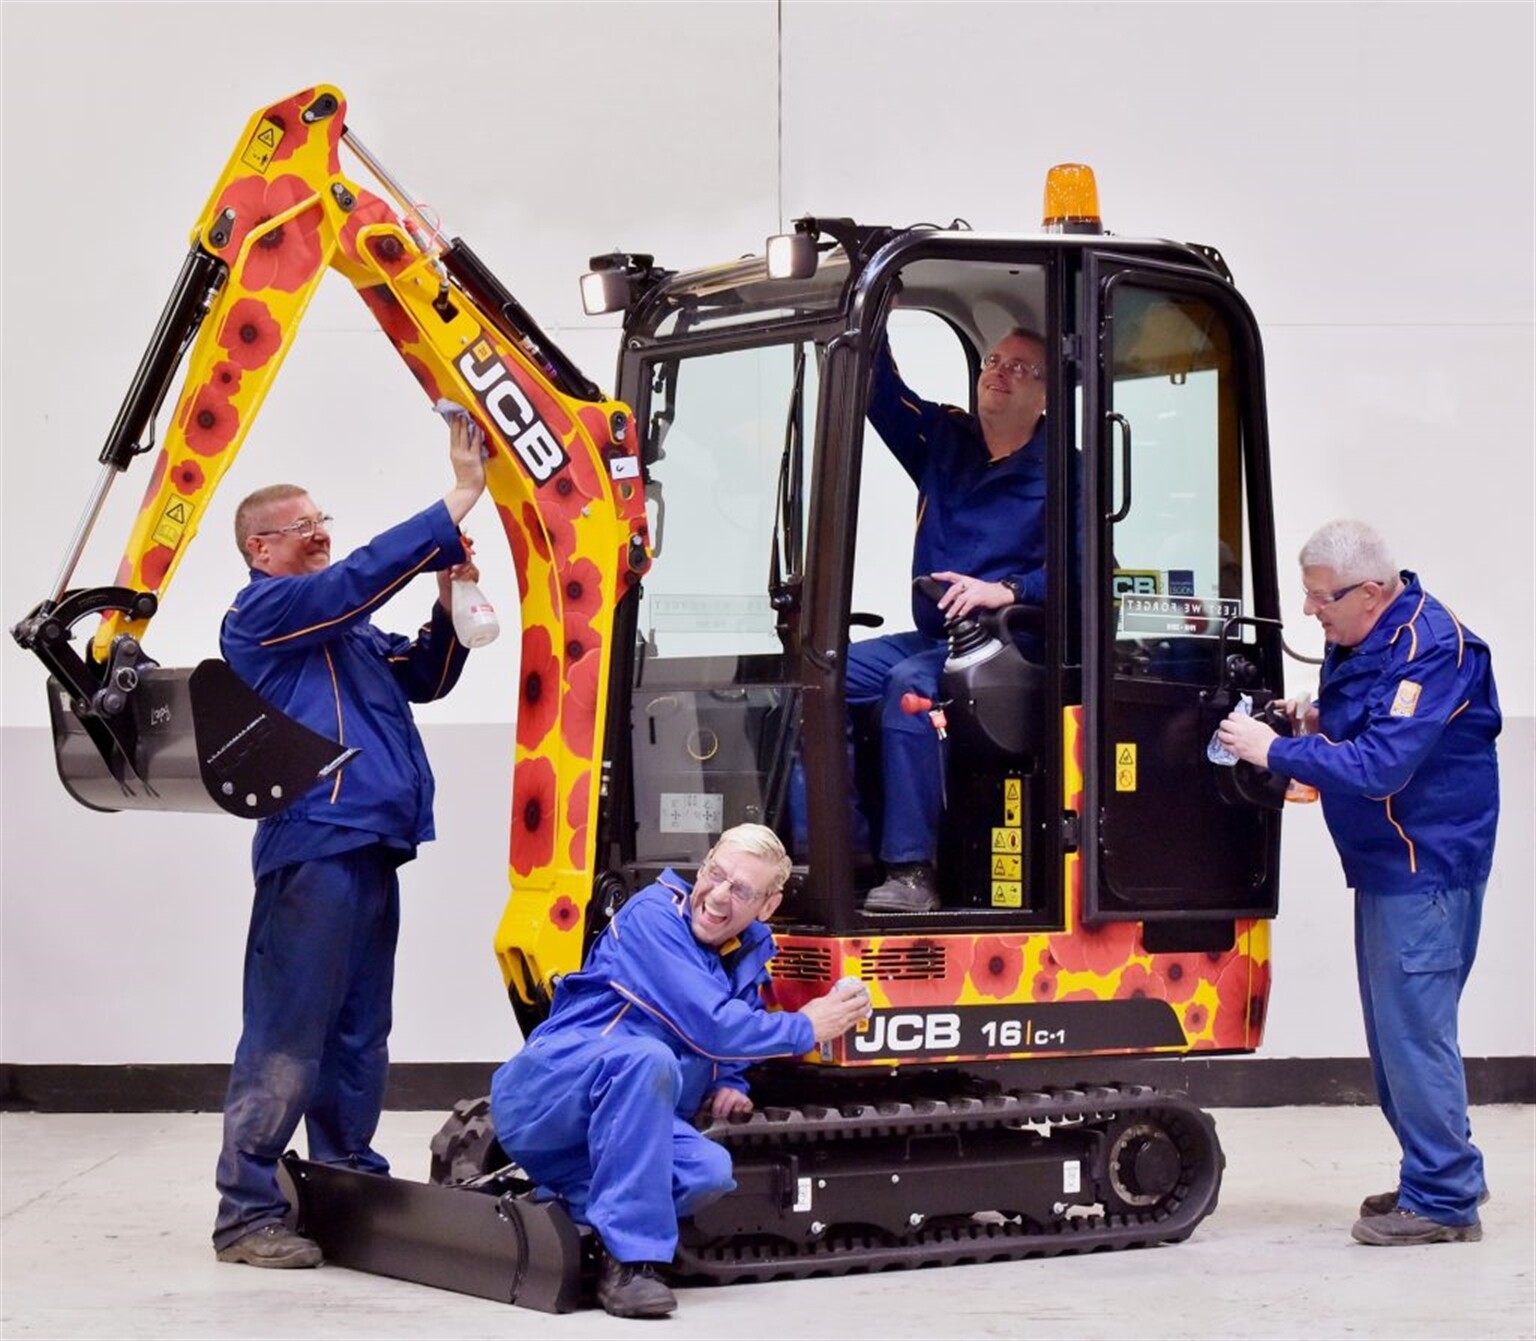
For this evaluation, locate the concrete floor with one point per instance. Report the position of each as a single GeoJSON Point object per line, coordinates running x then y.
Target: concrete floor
{"type": "Point", "coordinates": [106, 1221]}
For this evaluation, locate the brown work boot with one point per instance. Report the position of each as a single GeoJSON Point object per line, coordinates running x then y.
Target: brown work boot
{"type": "Point", "coordinates": [273, 1246]}
{"type": "Point", "coordinates": [632, 1289]}
{"type": "Point", "coordinates": [908, 888]}
{"type": "Point", "coordinates": [1400, 1228]}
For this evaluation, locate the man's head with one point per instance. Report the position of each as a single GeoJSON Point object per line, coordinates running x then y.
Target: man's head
{"type": "Point", "coordinates": [1350, 579]}
{"type": "Point", "coordinates": [740, 882]}
{"type": "Point", "coordinates": [1010, 393]}
{"type": "Point", "coordinates": [281, 532]}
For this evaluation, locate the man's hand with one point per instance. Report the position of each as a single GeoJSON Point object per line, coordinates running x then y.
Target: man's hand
{"type": "Point", "coordinates": [725, 1101]}
{"type": "Point", "coordinates": [1247, 738]}
{"type": "Point", "coordinates": [460, 572]}
{"type": "Point", "coordinates": [967, 594]}
{"type": "Point", "coordinates": [833, 1015]}
{"type": "Point", "coordinates": [466, 448]}
{"type": "Point", "coordinates": [1302, 713]}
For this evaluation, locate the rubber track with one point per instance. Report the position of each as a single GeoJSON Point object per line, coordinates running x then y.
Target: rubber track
{"type": "Point", "coordinates": [1170, 1221]}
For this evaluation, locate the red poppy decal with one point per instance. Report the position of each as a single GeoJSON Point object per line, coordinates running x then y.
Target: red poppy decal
{"type": "Point", "coordinates": [388, 312]}
{"type": "Point", "coordinates": [538, 702]}
{"type": "Point", "coordinates": [565, 914]}
{"type": "Point", "coordinates": [187, 477]}
{"type": "Point", "coordinates": [1182, 974]}
{"type": "Point", "coordinates": [581, 591]}
{"type": "Point", "coordinates": [153, 565]}
{"type": "Point", "coordinates": [1044, 985]}
{"type": "Point", "coordinates": [284, 256]}
{"type": "Point", "coordinates": [251, 334]}
{"type": "Point", "coordinates": [1135, 981]}
{"type": "Point", "coordinates": [534, 815]}
{"type": "Point", "coordinates": [1242, 990]}
{"type": "Point", "coordinates": [997, 965]}
{"type": "Point", "coordinates": [225, 378]}
{"type": "Point", "coordinates": [211, 423]}
{"type": "Point", "coordinates": [1099, 950]}
{"type": "Point", "coordinates": [1196, 1017]}
{"type": "Point", "coordinates": [578, 721]}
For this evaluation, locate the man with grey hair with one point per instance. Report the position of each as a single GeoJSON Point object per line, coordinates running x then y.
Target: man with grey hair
{"type": "Point", "coordinates": [1401, 747]}
{"type": "Point", "coordinates": [662, 1021]}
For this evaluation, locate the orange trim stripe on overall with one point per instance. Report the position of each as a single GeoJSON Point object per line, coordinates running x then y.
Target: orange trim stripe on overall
{"type": "Point", "coordinates": [1413, 856]}
{"type": "Point", "coordinates": [366, 605]}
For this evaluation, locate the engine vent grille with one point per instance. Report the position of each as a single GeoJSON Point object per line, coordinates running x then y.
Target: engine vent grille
{"type": "Point", "coordinates": [804, 963]}
{"type": "Point", "coordinates": [904, 962]}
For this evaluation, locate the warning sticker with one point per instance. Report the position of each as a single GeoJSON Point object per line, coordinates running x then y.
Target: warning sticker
{"type": "Point", "coordinates": [173, 523]}
{"type": "Point", "coordinates": [262, 145]}
{"type": "Point", "coordinates": [1406, 703]}
{"type": "Point", "coordinates": [1007, 840]}
{"type": "Point", "coordinates": [1125, 767]}
{"type": "Point", "coordinates": [1007, 894]}
{"type": "Point", "coordinates": [1006, 866]}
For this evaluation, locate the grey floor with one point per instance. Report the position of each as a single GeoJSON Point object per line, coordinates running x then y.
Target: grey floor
{"type": "Point", "coordinates": [105, 1224]}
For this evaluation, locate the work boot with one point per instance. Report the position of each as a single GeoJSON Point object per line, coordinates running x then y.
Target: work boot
{"type": "Point", "coordinates": [1399, 1228]}
{"type": "Point", "coordinates": [908, 888]}
{"type": "Point", "coordinates": [273, 1246]}
{"type": "Point", "coordinates": [1384, 1203]}
{"type": "Point", "coordinates": [632, 1289]}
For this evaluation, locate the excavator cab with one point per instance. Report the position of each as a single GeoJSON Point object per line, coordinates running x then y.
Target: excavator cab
{"type": "Point", "coordinates": [1080, 760]}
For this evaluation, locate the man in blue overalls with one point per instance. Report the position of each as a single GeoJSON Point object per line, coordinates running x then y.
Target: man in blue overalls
{"type": "Point", "coordinates": [981, 527]}
{"type": "Point", "coordinates": [320, 957]}
{"type": "Point", "coordinates": [663, 1019]}
{"type": "Point", "coordinates": [1404, 758]}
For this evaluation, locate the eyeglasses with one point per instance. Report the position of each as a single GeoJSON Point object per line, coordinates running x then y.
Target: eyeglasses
{"type": "Point", "coordinates": [304, 528]}
{"type": "Point", "coordinates": [1015, 368]}
{"type": "Point", "coordinates": [1322, 598]}
{"type": "Point", "coordinates": [742, 893]}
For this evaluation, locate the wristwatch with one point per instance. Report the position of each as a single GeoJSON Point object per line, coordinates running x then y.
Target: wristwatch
{"type": "Point", "coordinates": [1016, 587]}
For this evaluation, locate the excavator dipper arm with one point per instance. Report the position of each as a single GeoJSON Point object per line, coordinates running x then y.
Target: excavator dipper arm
{"type": "Point", "coordinates": [563, 470]}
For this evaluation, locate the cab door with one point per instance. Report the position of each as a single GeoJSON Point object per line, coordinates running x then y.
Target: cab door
{"type": "Point", "coordinates": [1179, 600]}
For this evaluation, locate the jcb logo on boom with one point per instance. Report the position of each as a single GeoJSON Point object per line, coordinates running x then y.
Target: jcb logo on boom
{"type": "Point", "coordinates": [536, 447]}
{"type": "Point", "coordinates": [909, 1032]}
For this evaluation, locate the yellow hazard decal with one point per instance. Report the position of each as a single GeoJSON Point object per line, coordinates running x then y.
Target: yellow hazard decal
{"type": "Point", "coordinates": [1013, 802]}
{"type": "Point", "coordinates": [262, 145]}
{"type": "Point", "coordinates": [1125, 767]}
{"type": "Point", "coordinates": [173, 523]}
{"type": "Point", "coordinates": [1407, 701]}
{"type": "Point", "coordinates": [1007, 840]}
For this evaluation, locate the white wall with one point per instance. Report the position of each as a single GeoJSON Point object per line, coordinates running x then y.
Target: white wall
{"type": "Point", "coordinates": [1366, 170]}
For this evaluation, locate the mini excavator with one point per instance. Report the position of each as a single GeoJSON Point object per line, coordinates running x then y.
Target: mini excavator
{"type": "Point", "coordinates": [693, 559]}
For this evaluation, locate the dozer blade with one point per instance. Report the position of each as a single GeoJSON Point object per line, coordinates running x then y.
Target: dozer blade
{"type": "Point", "coordinates": [200, 740]}
{"type": "Point", "coordinates": [493, 1246]}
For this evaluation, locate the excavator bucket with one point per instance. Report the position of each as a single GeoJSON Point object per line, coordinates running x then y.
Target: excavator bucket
{"type": "Point", "coordinates": [198, 740]}
{"type": "Point", "coordinates": [490, 1244]}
